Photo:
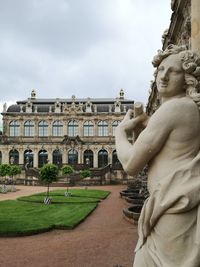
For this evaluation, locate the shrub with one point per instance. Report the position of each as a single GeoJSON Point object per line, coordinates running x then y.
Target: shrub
{"type": "Point", "coordinates": [85, 173]}
{"type": "Point", "coordinates": [4, 169]}
{"type": "Point", "coordinates": [67, 170]}
{"type": "Point", "coordinates": [14, 170]}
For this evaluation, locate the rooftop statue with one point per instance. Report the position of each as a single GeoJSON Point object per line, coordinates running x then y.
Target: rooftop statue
{"type": "Point", "coordinates": [169, 224]}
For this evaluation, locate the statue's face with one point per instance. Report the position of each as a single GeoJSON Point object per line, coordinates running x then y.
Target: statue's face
{"type": "Point", "coordinates": [170, 77]}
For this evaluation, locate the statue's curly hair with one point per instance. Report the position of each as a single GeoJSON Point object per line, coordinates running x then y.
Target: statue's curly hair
{"type": "Point", "coordinates": [190, 64]}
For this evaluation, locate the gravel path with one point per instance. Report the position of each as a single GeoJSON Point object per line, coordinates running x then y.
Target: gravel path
{"type": "Point", "coordinates": [104, 239]}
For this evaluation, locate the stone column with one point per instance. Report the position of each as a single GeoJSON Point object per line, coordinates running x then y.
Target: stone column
{"type": "Point", "coordinates": [50, 155]}
{"type": "Point", "coordinates": [81, 128]}
{"type": "Point", "coordinates": [64, 126]}
{"type": "Point", "coordinates": [80, 155]}
{"type": "Point", "coordinates": [50, 127]}
{"type": "Point", "coordinates": [35, 158]}
{"type": "Point", "coordinates": [21, 156]}
{"type": "Point", "coordinates": [95, 158]}
{"type": "Point", "coordinates": [5, 156]}
{"type": "Point", "coordinates": [95, 127]}
{"type": "Point", "coordinates": [64, 156]}
{"type": "Point", "coordinates": [195, 24]}
{"type": "Point", "coordinates": [36, 128]}
{"type": "Point", "coordinates": [21, 127]}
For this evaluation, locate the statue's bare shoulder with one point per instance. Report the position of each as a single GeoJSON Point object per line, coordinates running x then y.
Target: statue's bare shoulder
{"type": "Point", "coordinates": [175, 113]}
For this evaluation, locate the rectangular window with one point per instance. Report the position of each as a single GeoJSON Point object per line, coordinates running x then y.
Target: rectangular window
{"type": "Point", "coordinates": [29, 131]}
{"type": "Point", "coordinates": [58, 131]}
{"type": "Point", "coordinates": [43, 131]}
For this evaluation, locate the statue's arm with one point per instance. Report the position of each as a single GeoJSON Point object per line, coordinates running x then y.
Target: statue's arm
{"type": "Point", "coordinates": [135, 156]}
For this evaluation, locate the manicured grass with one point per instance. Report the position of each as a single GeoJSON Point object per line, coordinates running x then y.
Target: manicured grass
{"type": "Point", "coordinates": [78, 196]}
{"type": "Point", "coordinates": [23, 218]}
{"type": "Point", "coordinates": [29, 217]}
{"type": "Point", "coordinates": [100, 194]}
{"type": "Point", "coordinates": [59, 199]}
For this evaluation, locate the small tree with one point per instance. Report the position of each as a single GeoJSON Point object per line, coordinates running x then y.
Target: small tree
{"type": "Point", "coordinates": [4, 169]}
{"type": "Point", "coordinates": [13, 170]}
{"type": "Point", "coordinates": [48, 174]}
{"type": "Point", "coordinates": [67, 170]}
{"type": "Point", "coordinates": [85, 173]}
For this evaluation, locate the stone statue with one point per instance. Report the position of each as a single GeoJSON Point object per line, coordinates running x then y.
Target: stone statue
{"type": "Point", "coordinates": [169, 224]}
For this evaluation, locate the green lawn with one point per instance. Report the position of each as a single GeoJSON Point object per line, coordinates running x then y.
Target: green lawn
{"type": "Point", "coordinates": [100, 194]}
{"type": "Point", "coordinates": [29, 217]}
{"type": "Point", "coordinates": [78, 196]}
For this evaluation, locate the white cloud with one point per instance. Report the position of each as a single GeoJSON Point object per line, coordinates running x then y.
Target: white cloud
{"type": "Point", "coordinates": [81, 47]}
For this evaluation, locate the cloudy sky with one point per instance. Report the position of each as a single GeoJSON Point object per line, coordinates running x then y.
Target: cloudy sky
{"type": "Point", "coordinates": [86, 48]}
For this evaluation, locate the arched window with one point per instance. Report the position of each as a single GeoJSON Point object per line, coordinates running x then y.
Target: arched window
{"type": "Point", "coordinates": [102, 158]}
{"type": "Point", "coordinates": [42, 158]}
{"type": "Point", "coordinates": [28, 128]}
{"type": "Point", "coordinates": [28, 158]}
{"type": "Point", "coordinates": [115, 160]}
{"type": "Point", "coordinates": [88, 128]}
{"type": "Point", "coordinates": [88, 158]}
{"type": "Point", "coordinates": [73, 128]}
{"type": "Point", "coordinates": [14, 156]}
{"type": "Point", "coordinates": [0, 157]}
{"type": "Point", "coordinates": [14, 128]}
{"type": "Point", "coordinates": [57, 128]}
{"type": "Point", "coordinates": [57, 157]}
{"type": "Point", "coordinates": [72, 157]}
{"type": "Point", "coordinates": [43, 128]}
{"type": "Point", "coordinates": [102, 128]}
{"type": "Point", "coordinates": [114, 125]}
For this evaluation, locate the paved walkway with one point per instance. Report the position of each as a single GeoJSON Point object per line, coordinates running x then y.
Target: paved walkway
{"type": "Point", "coordinates": [104, 239]}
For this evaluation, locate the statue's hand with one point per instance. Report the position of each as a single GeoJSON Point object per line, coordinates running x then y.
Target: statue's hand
{"type": "Point", "coordinates": [130, 124]}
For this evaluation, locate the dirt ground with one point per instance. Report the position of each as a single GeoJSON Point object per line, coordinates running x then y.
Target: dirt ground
{"type": "Point", "coordinates": [104, 239]}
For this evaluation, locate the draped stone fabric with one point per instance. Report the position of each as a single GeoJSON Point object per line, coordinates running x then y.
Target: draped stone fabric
{"type": "Point", "coordinates": [169, 225]}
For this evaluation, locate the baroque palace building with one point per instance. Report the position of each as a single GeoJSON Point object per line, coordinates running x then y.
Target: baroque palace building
{"type": "Point", "coordinates": [62, 131]}
{"type": "Point", "coordinates": [178, 33]}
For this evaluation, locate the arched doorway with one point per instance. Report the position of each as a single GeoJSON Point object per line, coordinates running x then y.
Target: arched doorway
{"type": "Point", "coordinates": [14, 156]}
{"type": "Point", "coordinates": [57, 157]}
{"type": "Point", "coordinates": [102, 158]}
{"type": "Point", "coordinates": [88, 158]}
{"type": "Point", "coordinates": [42, 158]}
{"type": "Point", "coordinates": [72, 157]}
{"type": "Point", "coordinates": [115, 160]}
{"type": "Point", "coordinates": [28, 158]}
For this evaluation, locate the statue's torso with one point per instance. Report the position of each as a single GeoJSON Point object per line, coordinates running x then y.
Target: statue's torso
{"type": "Point", "coordinates": [182, 145]}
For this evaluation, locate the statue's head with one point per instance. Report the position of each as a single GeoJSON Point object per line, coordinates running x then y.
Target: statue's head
{"type": "Point", "coordinates": [184, 66]}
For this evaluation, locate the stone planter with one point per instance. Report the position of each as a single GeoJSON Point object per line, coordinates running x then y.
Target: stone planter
{"type": "Point", "coordinates": [135, 199]}
{"type": "Point", "coordinates": [133, 212]}
{"type": "Point", "coordinates": [126, 193]}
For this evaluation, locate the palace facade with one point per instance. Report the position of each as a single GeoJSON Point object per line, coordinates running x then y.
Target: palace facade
{"type": "Point", "coordinates": [62, 131]}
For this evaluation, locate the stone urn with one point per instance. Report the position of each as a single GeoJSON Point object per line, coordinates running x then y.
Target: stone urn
{"type": "Point", "coordinates": [126, 193]}
{"type": "Point", "coordinates": [135, 199]}
{"type": "Point", "coordinates": [133, 212]}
